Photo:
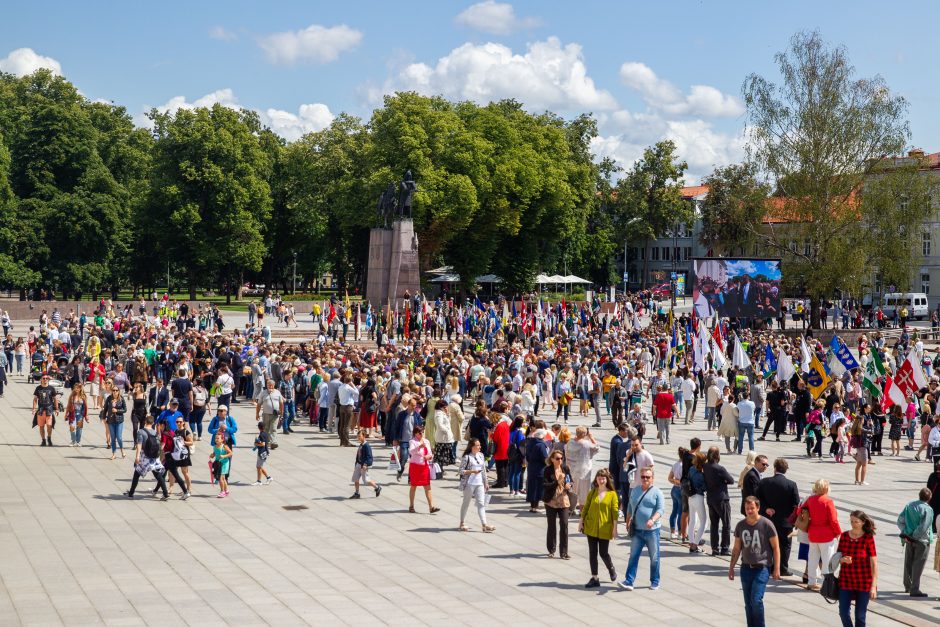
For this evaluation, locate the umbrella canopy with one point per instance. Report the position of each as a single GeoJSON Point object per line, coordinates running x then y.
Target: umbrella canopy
{"type": "Point", "coordinates": [573, 279]}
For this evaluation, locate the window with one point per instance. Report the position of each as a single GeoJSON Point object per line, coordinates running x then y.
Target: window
{"type": "Point", "coordinates": [665, 253]}
{"type": "Point", "coordinates": [643, 254]}
{"type": "Point", "coordinates": [688, 253]}
{"type": "Point", "coordinates": [926, 243]}
{"type": "Point", "coordinates": [807, 247]}
{"type": "Point", "coordinates": [655, 256]}
{"type": "Point", "coordinates": [925, 282]}
{"type": "Point", "coordinates": [675, 253]}
{"type": "Point", "coordinates": [792, 246]}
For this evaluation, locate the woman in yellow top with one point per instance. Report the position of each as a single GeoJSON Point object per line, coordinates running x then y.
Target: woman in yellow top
{"type": "Point", "coordinates": [599, 523]}
{"type": "Point", "coordinates": [608, 382]}
{"type": "Point", "coordinates": [94, 349]}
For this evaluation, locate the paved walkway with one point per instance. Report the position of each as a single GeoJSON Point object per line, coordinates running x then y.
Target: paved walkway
{"type": "Point", "coordinates": [74, 551]}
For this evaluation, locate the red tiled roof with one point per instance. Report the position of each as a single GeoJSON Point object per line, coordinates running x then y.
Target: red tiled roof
{"type": "Point", "coordinates": [694, 190]}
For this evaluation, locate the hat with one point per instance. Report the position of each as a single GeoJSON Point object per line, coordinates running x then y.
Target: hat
{"type": "Point", "coordinates": [174, 401]}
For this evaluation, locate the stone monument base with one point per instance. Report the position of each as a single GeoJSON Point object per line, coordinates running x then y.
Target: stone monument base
{"type": "Point", "coordinates": [393, 264]}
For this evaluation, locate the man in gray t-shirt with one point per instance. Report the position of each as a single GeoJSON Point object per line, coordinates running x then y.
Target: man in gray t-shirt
{"type": "Point", "coordinates": [756, 543]}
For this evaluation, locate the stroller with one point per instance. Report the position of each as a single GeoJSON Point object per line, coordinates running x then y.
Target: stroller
{"type": "Point", "coordinates": [37, 367]}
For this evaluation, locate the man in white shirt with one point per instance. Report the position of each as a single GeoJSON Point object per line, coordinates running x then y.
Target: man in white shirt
{"type": "Point", "coordinates": [689, 386]}
{"type": "Point", "coordinates": [637, 459]}
{"type": "Point", "coordinates": [348, 395]}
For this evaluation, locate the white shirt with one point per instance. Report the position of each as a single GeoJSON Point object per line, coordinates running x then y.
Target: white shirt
{"type": "Point", "coordinates": [688, 388]}
{"type": "Point", "coordinates": [348, 395]}
{"type": "Point", "coordinates": [474, 462]}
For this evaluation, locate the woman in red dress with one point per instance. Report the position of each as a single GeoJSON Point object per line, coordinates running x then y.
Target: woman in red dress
{"type": "Point", "coordinates": [368, 406]}
{"type": "Point", "coordinates": [858, 574]}
{"type": "Point", "coordinates": [419, 471]}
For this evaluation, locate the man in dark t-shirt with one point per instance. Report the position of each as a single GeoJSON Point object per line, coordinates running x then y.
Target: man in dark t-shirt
{"type": "Point", "coordinates": [45, 409]}
{"type": "Point", "coordinates": [181, 388]}
{"type": "Point", "coordinates": [756, 543]}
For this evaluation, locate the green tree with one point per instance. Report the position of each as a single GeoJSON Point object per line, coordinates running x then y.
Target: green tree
{"type": "Point", "coordinates": [819, 135]}
{"type": "Point", "coordinates": [735, 200]}
{"type": "Point", "coordinates": [209, 194]}
{"type": "Point", "coordinates": [651, 197]}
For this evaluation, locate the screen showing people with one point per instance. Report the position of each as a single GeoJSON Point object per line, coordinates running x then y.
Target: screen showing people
{"type": "Point", "coordinates": [737, 288]}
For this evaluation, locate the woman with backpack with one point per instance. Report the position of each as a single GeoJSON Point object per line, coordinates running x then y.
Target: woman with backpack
{"type": "Point", "coordinates": [516, 455]}
{"type": "Point", "coordinates": [201, 404]}
{"type": "Point", "coordinates": [473, 484]}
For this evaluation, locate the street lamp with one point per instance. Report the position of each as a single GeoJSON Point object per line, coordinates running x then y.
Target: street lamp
{"type": "Point", "coordinates": [295, 273]}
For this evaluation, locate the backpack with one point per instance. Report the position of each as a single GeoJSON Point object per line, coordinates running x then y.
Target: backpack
{"type": "Point", "coordinates": [180, 450]}
{"type": "Point", "coordinates": [151, 447]}
{"type": "Point", "coordinates": [517, 452]}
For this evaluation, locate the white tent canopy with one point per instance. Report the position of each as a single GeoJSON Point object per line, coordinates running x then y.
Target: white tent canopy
{"type": "Point", "coordinates": [573, 279]}
{"type": "Point", "coordinates": [455, 278]}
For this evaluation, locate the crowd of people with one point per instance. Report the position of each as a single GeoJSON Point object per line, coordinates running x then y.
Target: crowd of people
{"type": "Point", "coordinates": [505, 397]}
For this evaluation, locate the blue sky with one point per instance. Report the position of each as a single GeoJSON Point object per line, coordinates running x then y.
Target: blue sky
{"type": "Point", "coordinates": [646, 70]}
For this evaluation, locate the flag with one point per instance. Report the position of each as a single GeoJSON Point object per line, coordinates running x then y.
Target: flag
{"type": "Point", "coordinates": [331, 315]}
{"type": "Point", "coordinates": [478, 304]}
{"type": "Point", "coordinates": [910, 376]}
{"type": "Point", "coordinates": [505, 313]}
{"type": "Point", "coordinates": [348, 307]}
{"type": "Point", "coordinates": [716, 334]}
{"type": "Point", "coordinates": [369, 316]}
{"type": "Point", "coordinates": [407, 318]}
{"type": "Point", "coordinates": [515, 314]}
{"type": "Point", "coordinates": [770, 362]}
{"type": "Point", "coordinates": [805, 356]}
{"type": "Point", "coordinates": [785, 367]}
{"type": "Point", "coordinates": [718, 358]}
{"type": "Point", "coordinates": [874, 370]}
{"type": "Point", "coordinates": [739, 359]}
{"type": "Point", "coordinates": [842, 353]}
{"type": "Point", "coordinates": [892, 395]}
{"type": "Point", "coordinates": [816, 379]}
{"type": "Point", "coordinates": [835, 366]}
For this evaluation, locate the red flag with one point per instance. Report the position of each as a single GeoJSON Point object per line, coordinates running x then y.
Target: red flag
{"type": "Point", "coordinates": [890, 389]}
{"type": "Point", "coordinates": [716, 334]}
{"type": "Point", "coordinates": [331, 315]}
{"type": "Point", "coordinates": [910, 376]}
{"type": "Point", "coordinates": [407, 319]}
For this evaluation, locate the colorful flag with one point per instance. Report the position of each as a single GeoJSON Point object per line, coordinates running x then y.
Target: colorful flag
{"type": "Point", "coordinates": [910, 375]}
{"type": "Point", "coordinates": [874, 370]}
{"type": "Point", "coordinates": [770, 362]}
{"type": "Point", "coordinates": [716, 334]}
{"type": "Point", "coordinates": [348, 307]}
{"type": "Point", "coordinates": [842, 353]}
{"type": "Point", "coordinates": [816, 379]}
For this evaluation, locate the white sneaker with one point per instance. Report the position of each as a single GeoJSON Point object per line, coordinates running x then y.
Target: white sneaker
{"type": "Point", "coordinates": [269, 481]}
{"type": "Point", "coordinates": [256, 483]}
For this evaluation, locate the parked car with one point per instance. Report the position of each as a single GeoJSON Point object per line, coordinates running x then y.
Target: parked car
{"type": "Point", "coordinates": [662, 291]}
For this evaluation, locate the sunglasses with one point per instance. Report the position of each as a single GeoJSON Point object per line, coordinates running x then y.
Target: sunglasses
{"type": "Point", "coordinates": [645, 477]}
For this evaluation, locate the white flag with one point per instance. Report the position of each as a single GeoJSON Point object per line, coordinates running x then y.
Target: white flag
{"type": "Point", "coordinates": [836, 369]}
{"type": "Point", "coordinates": [739, 358]}
{"type": "Point", "coordinates": [718, 360]}
{"type": "Point", "coordinates": [920, 379]}
{"type": "Point", "coordinates": [785, 369]}
{"type": "Point", "coordinates": [806, 357]}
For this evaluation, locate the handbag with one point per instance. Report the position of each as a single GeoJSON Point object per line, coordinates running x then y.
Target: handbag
{"type": "Point", "coordinates": [830, 585]}
{"type": "Point", "coordinates": [394, 465]}
{"type": "Point", "coordinates": [435, 470]}
{"type": "Point", "coordinates": [802, 519]}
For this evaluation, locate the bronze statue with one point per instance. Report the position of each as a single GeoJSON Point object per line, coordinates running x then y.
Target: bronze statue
{"type": "Point", "coordinates": [407, 189]}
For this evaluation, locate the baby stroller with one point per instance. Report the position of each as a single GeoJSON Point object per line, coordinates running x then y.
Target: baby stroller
{"type": "Point", "coordinates": [37, 367]}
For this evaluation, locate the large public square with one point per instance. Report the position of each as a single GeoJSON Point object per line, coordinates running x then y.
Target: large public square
{"type": "Point", "coordinates": [298, 551]}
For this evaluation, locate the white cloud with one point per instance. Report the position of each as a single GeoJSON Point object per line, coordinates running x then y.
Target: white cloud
{"type": "Point", "coordinates": [222, 34]}
{"type": "Point", "coordinates": [702, 100]}
{"type": "Point", "coordinates": [496, 18]}
{"type": "Point", "coordinates": [290, 126]}
{"type": "Point", "coordinates": [24, 61]}
{"type": "Point", "coordinates": [315, 44]}
{"type": "Point", "coordinates": [697, 142]}
{"type": "Point", "coordinates": [547, 76]}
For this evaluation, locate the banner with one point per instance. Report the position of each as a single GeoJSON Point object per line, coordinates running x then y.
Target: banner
{"type": "Point", "coordinates": [737, 288]}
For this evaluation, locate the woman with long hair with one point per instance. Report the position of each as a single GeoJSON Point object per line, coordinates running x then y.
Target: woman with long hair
{"type": "Point", "coordinates": [556, 484]}
{"type": "Point", "coordinates": [858, 574]}
{"type": "Point", "coordinates": [599, 523]}
{"type": "Point", "coordinates": [76, 412]}
{"type": "Point", "coordinates": [473, 484]}
{"type": "Point", "coordinates": [138, 408]}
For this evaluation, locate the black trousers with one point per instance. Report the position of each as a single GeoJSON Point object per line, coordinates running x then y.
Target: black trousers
{"type": "Point", "coordinates": [783, 537]}
{"type": "Point", "coordinates": [595, 546]}
{"type": "Point", "coordinates": [720, 511]}
{"type": "Point", "coordinates": [557, 517]}
{"type": "Point", "coordinates": [158, 475]}
{"type": "Point", "coordinates": [502, 465]}
{"type": "Point", "coordinates": [172, 468]}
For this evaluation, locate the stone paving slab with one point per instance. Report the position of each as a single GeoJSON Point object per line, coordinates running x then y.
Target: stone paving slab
{"type": "Point", "coordinates": [74, 551]}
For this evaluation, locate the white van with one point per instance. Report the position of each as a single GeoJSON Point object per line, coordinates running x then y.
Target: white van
{"type": "Point", "coordinates": [916, 303]}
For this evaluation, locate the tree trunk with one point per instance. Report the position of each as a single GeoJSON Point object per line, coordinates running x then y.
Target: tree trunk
{"type": "Point", "coordinates": [228, 293]}
{"type": "Point", "coordinates": [192, 285]}
{"type": "Point", "coordinates": [814, 312]}
{"type": "Point", "coordinates": [646, 261]}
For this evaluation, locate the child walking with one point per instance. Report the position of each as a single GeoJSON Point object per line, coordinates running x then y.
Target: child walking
{"type": "Point", "coordinates": [262, 446]}
{"type": "Point", "coordinates": [221, 457]}
{"type": "Point", "coordinates": [363, 463]}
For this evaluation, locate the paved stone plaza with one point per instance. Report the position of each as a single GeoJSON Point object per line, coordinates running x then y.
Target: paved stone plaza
{"type": "Point", "coordinates": [74, 551]}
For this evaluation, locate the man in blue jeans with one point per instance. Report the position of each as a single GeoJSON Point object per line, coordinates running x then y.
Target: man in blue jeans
{"type": "Point", "coordinates": [746, 416]}
{"type": "Point", "coordinates": [643, 518]}
{"type": "Point", "coordinates": [756, 543]}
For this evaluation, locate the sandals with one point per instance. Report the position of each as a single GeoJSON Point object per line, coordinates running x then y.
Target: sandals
{"type": "Point", "coordinates": [463, 528]}
{"type": "Point", "coordinates": [435, 510]}
{"type": "Point", "coordinates": [488, 528]}
{"type": "Point", "coordinates": [411, 510]}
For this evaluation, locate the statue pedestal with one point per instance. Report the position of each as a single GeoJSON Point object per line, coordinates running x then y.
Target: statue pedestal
{"type": "Point", "coordinates": [393, 264]}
